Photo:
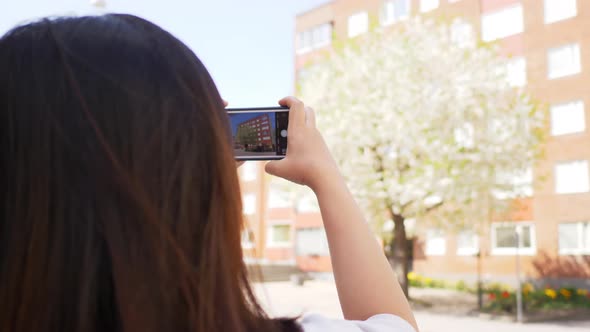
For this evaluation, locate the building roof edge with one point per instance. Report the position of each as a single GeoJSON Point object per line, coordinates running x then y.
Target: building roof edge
{"type": "Point", "coordinates": [329, 3]}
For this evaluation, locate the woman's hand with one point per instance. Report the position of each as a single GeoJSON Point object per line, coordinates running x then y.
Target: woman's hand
{"type": "Point", "coordinates": [308, 159]}
{"type": "Point", "coordinates": [359, 265]}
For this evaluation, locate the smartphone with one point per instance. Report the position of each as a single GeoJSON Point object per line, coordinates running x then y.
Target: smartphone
{"type": "Point", "coordinates": [259, 133]}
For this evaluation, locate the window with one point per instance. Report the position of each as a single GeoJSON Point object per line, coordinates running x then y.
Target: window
{"type": "Point", "coordinates": [358, 24]}
{"type": "Point", "coordinates": [311, 242]}
{"type": "Point", "coordinates": [467, 243]}
{"type": "Point", "coordinates": [247, 238]}
{"type": "Point", "coordinates": [279, 235]}
{"type": "Point", "coordinates": [428, 5]}
{"type": "Point", "coordinates": [278, 198]}
{"type": "Point", "coordinates": [462, 33]}
{"type": "Point", "coordinates": [516, 72]}
{"type": "Point", "coordinates": [307, 203]}
{"type": "Point", "coordinates": [435, 243]}
{"type": "Point", "coordinates": [395, 11]}
{"type": "Point", "coordinates": [505, 235]}
{"type": "Point", "coordinates": [503, 23]}
{"type": "Point", "coordinates": [568, 118]}
{"type": "Point", "coordinates": [511, 185]}
{"type": "Point", "coordinates": [249, 203]}
{"type": "Point", "coordinates": [564, 61]}
{"type": "Point", "coordinates": [316, 37]}
{"type": "Point", "coordinates": [322, 35]}
{"type": "Point", "coordinates": [304, 41]}
{"type": "Point", "coordinates": [248, 171]}
{"type": "Point", "coordinates": [574, 238]}
{"type": "Point", "coordinates": [572, 177]}
{"type": "Point", "coordinates": [558, 10]}
{"type": "Point", "coordinates": [523, 182]}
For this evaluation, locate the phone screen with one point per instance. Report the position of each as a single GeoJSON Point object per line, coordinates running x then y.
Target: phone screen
{"type": "Point", "coordinates": [259, 133]}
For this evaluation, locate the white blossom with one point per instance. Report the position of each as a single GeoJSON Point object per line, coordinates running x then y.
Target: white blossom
{"type": "Point", "coordinates": [415, 120]}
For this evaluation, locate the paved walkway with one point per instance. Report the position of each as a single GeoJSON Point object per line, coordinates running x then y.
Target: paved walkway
{"type": "Point", "coordinates": [285, 299]}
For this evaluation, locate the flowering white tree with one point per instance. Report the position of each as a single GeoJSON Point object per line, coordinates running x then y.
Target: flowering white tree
{"type": "Point", "coordinates": [422, 123]}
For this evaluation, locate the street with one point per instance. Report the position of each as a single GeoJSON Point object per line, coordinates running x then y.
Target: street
{"type": "Point", "coordinates": [285, 299]}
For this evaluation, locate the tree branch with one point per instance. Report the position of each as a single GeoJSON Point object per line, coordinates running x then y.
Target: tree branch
{"type": "Point", "coordinates": [435, 206]}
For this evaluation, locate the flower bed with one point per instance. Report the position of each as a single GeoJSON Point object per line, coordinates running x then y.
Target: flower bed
{"type": "Point", "coordinates": [501, 299]}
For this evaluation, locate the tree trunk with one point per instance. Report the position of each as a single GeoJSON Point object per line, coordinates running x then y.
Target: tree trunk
{"type": "Point", "coordinates": [400, 252]}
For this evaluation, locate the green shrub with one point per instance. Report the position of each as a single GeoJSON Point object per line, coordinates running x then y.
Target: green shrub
{"type": "Point", "coordinates": [461, 286]}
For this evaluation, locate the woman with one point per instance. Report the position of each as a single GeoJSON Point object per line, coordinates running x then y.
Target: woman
{"type": "Point", "coordinates": [121, 207]}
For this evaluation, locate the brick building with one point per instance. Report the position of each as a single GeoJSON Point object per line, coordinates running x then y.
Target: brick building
{"type": "Point", "coordinates": [255, 133]}
{"type": "Point", "coordinates": [548, 42]}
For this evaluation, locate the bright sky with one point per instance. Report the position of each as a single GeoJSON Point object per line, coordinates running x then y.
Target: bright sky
{"type": "Point", "coordinates": [246, 45]}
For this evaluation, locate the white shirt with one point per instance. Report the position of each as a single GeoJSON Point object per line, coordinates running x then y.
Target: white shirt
{"type": "Point", "coordinates": [377, 323]}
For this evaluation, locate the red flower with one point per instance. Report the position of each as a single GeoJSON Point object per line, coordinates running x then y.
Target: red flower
{"type": "Point", "coordinates": [505, 295]}
{"type": "Point", "coordinates": [492, 296]}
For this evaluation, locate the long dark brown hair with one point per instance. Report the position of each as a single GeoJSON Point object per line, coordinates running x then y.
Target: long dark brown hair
{"type": "Point", "coordinates": [120, 205]}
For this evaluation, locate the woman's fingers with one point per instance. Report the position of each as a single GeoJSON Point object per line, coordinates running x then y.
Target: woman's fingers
{"type": "Point", "coordinates": [310, 117]}
{"type": "Point", "coordinates": [296, 111]}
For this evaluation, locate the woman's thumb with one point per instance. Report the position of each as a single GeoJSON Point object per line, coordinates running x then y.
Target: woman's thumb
{"type": "Point", "coordinates": [273, 167]}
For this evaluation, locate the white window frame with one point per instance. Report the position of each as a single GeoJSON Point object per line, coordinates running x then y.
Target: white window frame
{"type": "Point", "coordinates": [519, 183]}
{"type": "Point", "coordinates": [313, 33]}
{"type": "Point", "coordinates": [245, 199]}
{"type": "Point", "coordinates": [468, 251]}
{"type": "Point", "coordinates": [307, 203]}
{"type": "Point", "coordinates": [512, 75]}
{"type": "Point", "coordinates": [513, 251]}
{"type": "Point", "coordinates": [394, 18]}
{"type": "Point", "coordinates": [362, 20]}
{"type": "Point", "coordinates": [249, 171]}
{"type": "Point", "coordinates": [574, 69]}
{"type": "Point", "coordinates": [582, 226]}
{"type": "Point", "coordinates": [270, 243]}
{"type": "Point", "coordinates": [495, 19]}
{"type": "Point", "coordinates": [556, 114]}
{"type": "Point", "coordinates": [526, 182]}
{"type": "Point", "coordinates": [429, 5]}
{"type": "Point", "coordinates": [462, 33]}
{"type": "Point", "coordinates": [548, 8]}
{"type": "Point", "coordinates": [585, 177]}
{"type": "Point", "coordinates": [322, 242]}
{"type": "Point", "coordinates": [282, 201]}
{"type": "Point", "coordinates": [301, 48]}
{"type": "Point", "coordinates": [438, 234]}
{"type": "Point", "coordinates": [328, 41]}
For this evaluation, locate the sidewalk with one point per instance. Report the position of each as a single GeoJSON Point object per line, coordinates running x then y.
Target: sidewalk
{"type": "Point", "coordinates": [285, 299]}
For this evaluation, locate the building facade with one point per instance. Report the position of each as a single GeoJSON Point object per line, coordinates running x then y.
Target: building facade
{"type": "Point", "coordinates": [548, 43]}
{"type": "Point", "coordinates": [255, 133]}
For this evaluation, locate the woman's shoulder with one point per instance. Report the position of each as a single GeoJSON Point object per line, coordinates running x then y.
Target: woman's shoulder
{"type": "Point", "coordinates": [377, 323]}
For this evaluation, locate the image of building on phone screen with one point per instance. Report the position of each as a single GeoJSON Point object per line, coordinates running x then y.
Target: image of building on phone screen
{"type": "Point", "coordinates": [254, 134]}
